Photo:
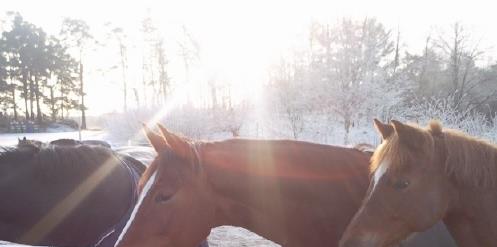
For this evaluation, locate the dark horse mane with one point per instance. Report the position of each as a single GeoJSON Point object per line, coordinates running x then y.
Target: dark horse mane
{"type": "Point", "coordinates": [66, 160]}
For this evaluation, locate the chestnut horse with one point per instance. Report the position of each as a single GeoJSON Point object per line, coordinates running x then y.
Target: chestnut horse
{"type": "Point", "coordinates": [422, 176]}
{"type": "Point", "coordinates": [293, 193]}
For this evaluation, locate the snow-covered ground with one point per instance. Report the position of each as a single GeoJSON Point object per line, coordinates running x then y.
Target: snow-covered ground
{"type": "Point", "coordinates": [224, 236]}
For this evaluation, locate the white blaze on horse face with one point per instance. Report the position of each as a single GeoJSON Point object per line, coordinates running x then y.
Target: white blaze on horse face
{"type": "Point", "coordinates": [380, 171]}
{"type": "Point", "coordinates": [144, 193]}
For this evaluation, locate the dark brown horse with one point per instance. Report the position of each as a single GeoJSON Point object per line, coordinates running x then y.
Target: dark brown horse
{"type": "Point", "coordinates": [76, 195]}
{"type": "Point", "coordinates": [422, 176]}
{"type": "Point", "coordinates": [293, 193]}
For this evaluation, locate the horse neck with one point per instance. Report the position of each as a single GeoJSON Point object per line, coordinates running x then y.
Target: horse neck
{"type": "Point", "coordinates": [255, 181]}
{"type": "Point", "coordinates": [471, 166]}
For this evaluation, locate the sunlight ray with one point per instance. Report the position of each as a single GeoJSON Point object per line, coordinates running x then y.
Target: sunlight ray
{"type": "Point", "coordinates": [65, 207]}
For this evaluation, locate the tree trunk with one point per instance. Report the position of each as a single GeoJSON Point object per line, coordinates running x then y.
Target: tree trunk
{"type": "Point", "coordinates": [83, 115]}
{"type": "Point", "coordinates": [14, 103]}
{"type": "Point", "coordinates": [125, 86]}
{"type": "Point", "coordinates": [31, 98]}
{"type": "Point", "coordinates": [144, 81]}
{"type": "Point", "coordinates": [25, 91]}
{"type": "Point", "coordinates": [137, 98]}
{"type": "Point", "coordinates": [37, 97]}
{"type": "Point", "coordinates": [346, 125]}
{"type": "Point", "coordinates": [62, 99]}
{"type": "Point", "coordinates": [52, 104]}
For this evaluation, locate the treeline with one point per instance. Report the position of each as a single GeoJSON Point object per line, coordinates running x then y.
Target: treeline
{"type": "Point", "coordinates": [354, 70]}
{"type": "Point", "coordinates": [39, 79]}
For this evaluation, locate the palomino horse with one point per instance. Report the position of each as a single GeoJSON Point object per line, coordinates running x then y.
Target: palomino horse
{"type": "Point", "coordinates": [293, 193]}
{"type": "Point", "coordinates": [422, 176]}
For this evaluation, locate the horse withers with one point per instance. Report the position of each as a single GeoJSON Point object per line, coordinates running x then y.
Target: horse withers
{"type": "Point", "coordinates": [293, 193]}
{"type": "Point", "coordinates": [422, 176]}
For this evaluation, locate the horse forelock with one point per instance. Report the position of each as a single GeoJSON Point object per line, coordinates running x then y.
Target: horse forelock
{"type": "Point", "coordinates": [169, 157]}
{"type": "Point", "coordinates": [397, 153]}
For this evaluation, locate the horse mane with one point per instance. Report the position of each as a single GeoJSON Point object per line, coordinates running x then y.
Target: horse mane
{"type": "Point", "coordinates": [21, 153]}
{"type": "Point", "coordinates": [55, 162]}
{"type": "Point", "coordinates": [470, 161]}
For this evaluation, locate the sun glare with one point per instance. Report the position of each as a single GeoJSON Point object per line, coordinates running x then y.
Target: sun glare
{"type": "Point", "coordinates": [236, 42]}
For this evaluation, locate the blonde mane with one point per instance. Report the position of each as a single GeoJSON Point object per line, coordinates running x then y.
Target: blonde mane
{"type": "Point", "coordinates": [469, 160]}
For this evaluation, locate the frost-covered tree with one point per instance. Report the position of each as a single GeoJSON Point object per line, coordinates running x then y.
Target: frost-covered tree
{"type": "Point", "coordinates": [351, 62]}
{"type": "Point", "coordinates": [290, 93]}
{"type": "Point", "coordinates": [463, 76]}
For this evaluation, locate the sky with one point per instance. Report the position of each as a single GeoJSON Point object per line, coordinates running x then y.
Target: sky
{"type": "Point", "coordinates": [239, 40]}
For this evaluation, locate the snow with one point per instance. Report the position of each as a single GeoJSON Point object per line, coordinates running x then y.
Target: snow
{"type": "Point", "coordinates": [8, 244]}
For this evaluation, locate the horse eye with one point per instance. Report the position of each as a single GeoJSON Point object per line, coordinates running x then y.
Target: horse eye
{"type": "Point", "coordinates": [400, 184]}
{"type": "Point", "coordinates": [161, 198]}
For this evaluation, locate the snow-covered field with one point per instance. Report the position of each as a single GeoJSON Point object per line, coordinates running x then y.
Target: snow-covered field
{"type": "Point", "coordinates": [225, 236]}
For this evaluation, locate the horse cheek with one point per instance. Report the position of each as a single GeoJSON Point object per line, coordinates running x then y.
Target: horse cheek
{"type": "Point", "coordinates": [432, 205]}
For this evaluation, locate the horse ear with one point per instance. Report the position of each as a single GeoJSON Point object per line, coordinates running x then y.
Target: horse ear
{"type": "Point", "coordinates": [157, 141]}
{"type": "Point", "coordinates": [180, 145]}
{"type": "Point", "coordinates": [385, 130]}
{"type": "Point", "coordinates": [407, 134]}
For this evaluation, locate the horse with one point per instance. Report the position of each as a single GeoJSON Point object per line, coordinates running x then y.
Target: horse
{"type": "Point", "coordinates": [422, 176]}
{"type": "Point", "coordinates": [74, 196]}
{"type": "Point", "coordinates": [63, 142]}
{"type": "Point", "coordinates": [72, 142]}
{"type": "Point", "coordinates": [291, 192]}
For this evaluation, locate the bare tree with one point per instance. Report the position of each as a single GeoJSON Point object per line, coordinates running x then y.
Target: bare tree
{"type": "Point", "coordinates": [461, 56]}
{"type": "Point", "coordinates": [118, 34]}
{"type": "Point", "coordinates": [190, 53]}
